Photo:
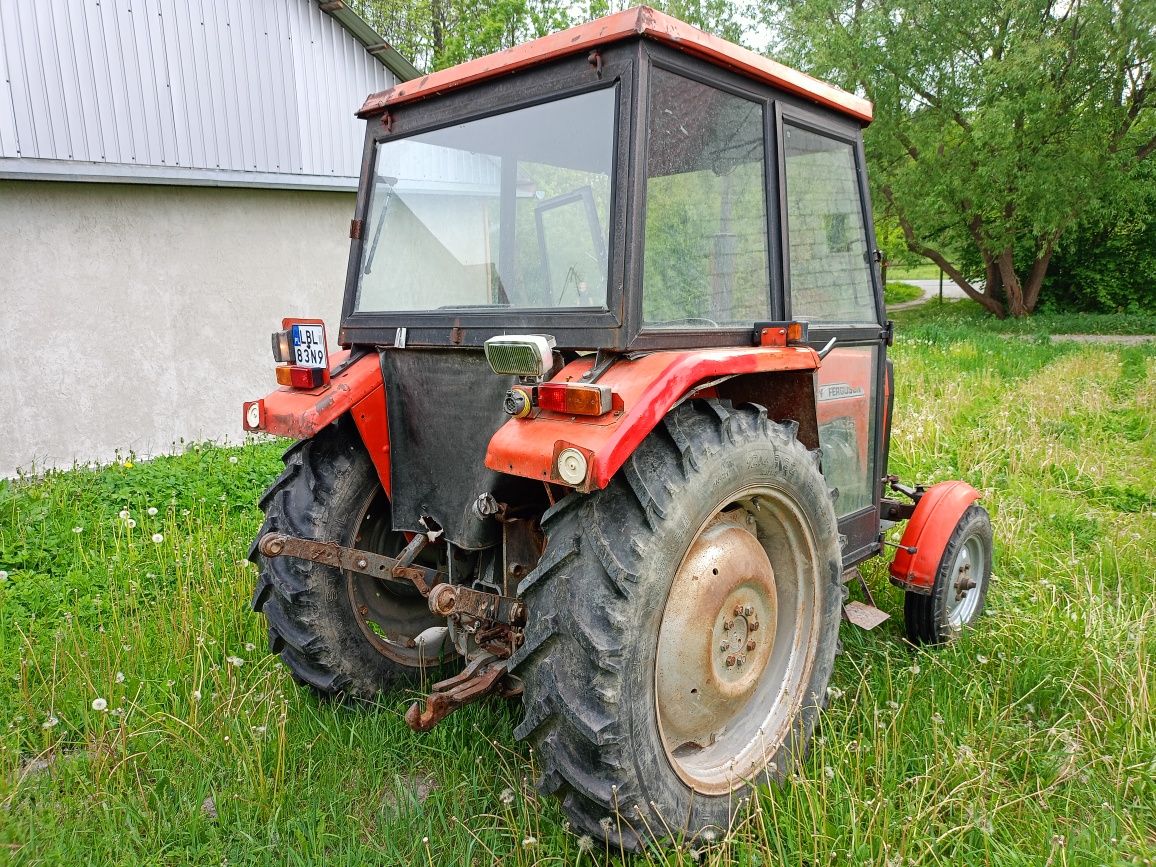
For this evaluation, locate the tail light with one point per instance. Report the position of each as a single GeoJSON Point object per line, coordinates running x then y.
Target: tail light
{"type": "Point", "coordinates": [575, 398]}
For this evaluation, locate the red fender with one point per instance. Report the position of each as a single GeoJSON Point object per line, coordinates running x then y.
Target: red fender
{"type": "Point", "coordinates": [644, 390]}
{"type": "Point", "coordinates": [928, 531]}
{"type": "Point", "coordinates": [300, 414]}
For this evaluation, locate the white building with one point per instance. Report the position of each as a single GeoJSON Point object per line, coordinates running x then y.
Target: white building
{"type": "Point", "coordinates": [174, 178]}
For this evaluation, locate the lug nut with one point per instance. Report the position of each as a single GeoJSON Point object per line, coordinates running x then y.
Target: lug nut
{"type": "Point", "coordinates": [742, 659]}
{"type": "Point", "coordinates": [738, 610]}
{"type": "Point", "coordinates": [752, 626]}
{"type": "Point", "coordinates": [750, 644]}
{"type": "Point", "coordinates": [722, 648]}
{"type": "Point", "coordinates": [748, 611]}
{"type": "Point", "coordinates": [728, 624]}
{"type": "Point", "coordinates": [731, 660]}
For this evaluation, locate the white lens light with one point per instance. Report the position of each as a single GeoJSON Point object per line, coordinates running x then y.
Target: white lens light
{"type": "Point", "coordinates": [520, 354]}
{"type": "Point", "coordinates": [253, 416]}
{"type": "Point", "coordinates": [572, 466]}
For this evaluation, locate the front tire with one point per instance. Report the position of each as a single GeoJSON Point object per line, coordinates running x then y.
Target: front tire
{"type": "Point", "coordinates": [960, 587]}
{"type": "Point", "coordinates": [716, 541]}
{"type": "Point", "coordinates": [341, 633]}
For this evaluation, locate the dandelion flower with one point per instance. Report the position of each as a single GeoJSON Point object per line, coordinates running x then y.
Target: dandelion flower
{"type": "Point", "coordinates": [232, 459]}
{"type": "Point", "coordinates": [981, 659]}
{"type": "Point", "coordinates": [120, 677]}
{"type": "Point", "coordinates": [829, 772]}
{"type": "Point", "coordinates": [99, 704]}
{"type": "Point", "coordinates": [235, 661]}
{"type": "Point", "coordinates": [124, 514]}
{"type": "Point", "coordinates": [50, 723]}
{"type": "Point", "coordinates": [196, 695]}
{"type": "Point", "coordinates": [915, 669]}
{"type": "Point", "coordinates": [130, 523]}
{"type": "Point", "coordinates": [158, 538]}
{"type": "Point", "coordinates": [250, 646]}
{"type": "Point", "coordinates": [3, 575]}
{"type": "Point", "coordinates": [152, 510]}
{"type": "Point", "coordinates": [507, 796]}
{"type": "Point", "coordinates": [78, 529]}
{"type": "Point", "coordinates": [127, 465]}
{"type": "Point", "coordinates": [585, 843]}
{"type": "Point", "coordinates": [529, 841]}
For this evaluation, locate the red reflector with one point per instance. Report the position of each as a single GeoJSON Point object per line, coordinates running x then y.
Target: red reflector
{"type": "Point", "coordinates": [575, 399]}
{"type": "Point", "coordinates": [296, 376]}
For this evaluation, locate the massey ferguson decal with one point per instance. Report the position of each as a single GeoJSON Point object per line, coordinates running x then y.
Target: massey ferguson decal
{"type": "Point", "coordinates": [838, 391]}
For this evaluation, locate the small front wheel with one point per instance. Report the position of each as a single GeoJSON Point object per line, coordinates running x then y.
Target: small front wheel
{"type": "Point", "coordinates": [960, 587]}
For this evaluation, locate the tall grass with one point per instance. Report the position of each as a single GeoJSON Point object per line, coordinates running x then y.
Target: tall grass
{"type": "Point", "coordinates": [1031, 741]}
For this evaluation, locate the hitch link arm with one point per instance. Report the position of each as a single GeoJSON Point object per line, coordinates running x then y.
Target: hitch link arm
{"type": "Point", "coordinates": [352, 560]}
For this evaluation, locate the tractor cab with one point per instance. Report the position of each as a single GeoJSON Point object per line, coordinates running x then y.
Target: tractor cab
{"type": "Point", "coordinates": [610, 417]}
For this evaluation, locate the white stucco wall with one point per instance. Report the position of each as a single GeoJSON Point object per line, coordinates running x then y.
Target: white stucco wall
{"type": "Point", "coordinates": [132, 317]}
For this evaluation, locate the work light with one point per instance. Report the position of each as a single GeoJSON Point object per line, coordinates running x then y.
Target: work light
{"type": "Point", "coordinates": [529, 355]}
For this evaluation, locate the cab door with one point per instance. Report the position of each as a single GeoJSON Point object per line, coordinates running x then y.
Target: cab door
{"type": "Point", "coordinates": [832, 283]}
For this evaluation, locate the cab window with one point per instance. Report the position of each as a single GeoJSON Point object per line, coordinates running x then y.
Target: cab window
{"type": "Point", "coordinates": [705, 253]}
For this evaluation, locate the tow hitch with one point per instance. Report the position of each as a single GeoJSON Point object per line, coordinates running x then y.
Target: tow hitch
{"type": "Point", "coordinates": [495, 621]}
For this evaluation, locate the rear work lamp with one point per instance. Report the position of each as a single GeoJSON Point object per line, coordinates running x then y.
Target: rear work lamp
{"type": "Point", "coordinates": [525, 355]}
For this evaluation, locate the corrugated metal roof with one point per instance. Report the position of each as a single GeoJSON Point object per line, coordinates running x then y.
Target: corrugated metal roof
{"type": "Point", "coordinates": [256, 93]}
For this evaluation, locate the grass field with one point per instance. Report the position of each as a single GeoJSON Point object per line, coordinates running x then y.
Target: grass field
{"type": "Point", "coordinates": [914, 272]}
{"type": "Point", "coordinates": [143, 722]}
{"type": "Point", "coordinates": [898, 293]}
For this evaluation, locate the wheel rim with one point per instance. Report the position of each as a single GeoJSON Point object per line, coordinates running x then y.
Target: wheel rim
{"type": "Point", "coordinates": [737, 641]}
{"type": "Point", "coordinates": [965, 581]}
{"type": "Point", "coordinates": [390, 614]}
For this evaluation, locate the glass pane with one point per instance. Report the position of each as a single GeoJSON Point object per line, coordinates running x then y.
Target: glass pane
{"type": "Point", "coordinates": [705, 262]}
{"type": "Point", "coordinates": [846, 411]}
{"type": "Point", "coordinates": [829, 257]}
{"type": "Point", "coordinates": [505, 211]}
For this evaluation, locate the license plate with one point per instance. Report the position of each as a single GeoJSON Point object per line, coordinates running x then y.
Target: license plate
{"type": "Point", "coordinates": [309, 346]}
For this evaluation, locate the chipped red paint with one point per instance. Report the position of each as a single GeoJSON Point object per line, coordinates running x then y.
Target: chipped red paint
{"type": "Point", "coordinates": [291, 412]}
{"type": "Point", "coordinates": [639, 21]}
{"type": "Point", "coordinates": [936, 514]}
{"type": "Point", "coordinates": [648, 386]}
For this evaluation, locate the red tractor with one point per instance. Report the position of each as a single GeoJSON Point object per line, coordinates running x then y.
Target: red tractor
{"type": "Point", "coordinates": [609, 426]}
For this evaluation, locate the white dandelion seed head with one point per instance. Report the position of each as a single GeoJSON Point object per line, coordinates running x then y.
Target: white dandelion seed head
{"type": "Point", "coordinates": [196, 695]}
{"type": "Point", "coordinates": [78, 529]}
{"type": "Point", "coordinates": [124, 514]}
{"type": "Point", "coordinates": [981, 659]}
{"type": "Point", "coordinates": [51, 722]}
{"type": "Point", "coordinates": [3, 575]}
{"type": "Point", "coordinates": [130, 523]}
{"type": "Point", "coordinates": [120, 677]}
{"type": "Point", "coordinates": [507, 796]}
{"type": "Point", "coordinates": [158, 538]}
{"type": "Point", "coordinates": [529, 841]}
{"type": "Point", "coordinates": [250, 646]}
{"type": "Point", "coordinates": [152, 510]}
{"type": "Point", "coordinates": [232, 459]}
{"type": "Point", "coordinates": [585, 843]}
{"type": "Point", "coordinates": [709, 835]}
{"type": "Point", "coordinates": [915, 669]}
{"type": "Point", "coordinates": [235, 661]}
{"type": "Point", "coordinates": [894, 705]}
{"type": "Point", "coordinates": [604, 824]}
{"type": "Point", "coordinates": [99, 704]}
{"type": "Point", "coordinates": [829, 772]}
{"type": "Point", "coordinates": [184, 513]}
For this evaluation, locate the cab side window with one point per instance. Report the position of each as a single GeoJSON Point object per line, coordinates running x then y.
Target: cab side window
{"type": "Point", "coordinates": [830, 265]}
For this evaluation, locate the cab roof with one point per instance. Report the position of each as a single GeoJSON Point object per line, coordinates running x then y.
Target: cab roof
{"type": "Point", "coordinates": [640, 21]}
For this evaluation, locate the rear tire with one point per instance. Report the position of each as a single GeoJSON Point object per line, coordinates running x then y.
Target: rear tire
{"type": "Point", "coordinates": [623, 736]}
{"type": "Point", "coordinates": [340, 633]}
{"type": "Point", "coordinates": [942, 615]}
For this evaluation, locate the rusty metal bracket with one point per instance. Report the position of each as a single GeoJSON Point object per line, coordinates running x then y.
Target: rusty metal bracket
{"type": "Point", "coordinates": [448, 600]}
{"type": "Point", "coordinates": [353, 560]}
{"type": "Point", "coordinates": [480, 678]}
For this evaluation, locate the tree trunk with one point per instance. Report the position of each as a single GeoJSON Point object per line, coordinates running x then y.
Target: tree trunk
{"type": "Point", "coordinates": [1011, 284]}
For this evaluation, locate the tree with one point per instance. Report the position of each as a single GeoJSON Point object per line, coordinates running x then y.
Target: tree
{"type": "Point", "coordinates": [997, 122]}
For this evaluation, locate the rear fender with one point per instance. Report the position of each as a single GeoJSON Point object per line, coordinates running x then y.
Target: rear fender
{"type": "Point", "coordinates": [928, 531]}
{"type": "Point", "coordinates": [357, 389]}
{"type": "Point", "coordinates": [646, 389]}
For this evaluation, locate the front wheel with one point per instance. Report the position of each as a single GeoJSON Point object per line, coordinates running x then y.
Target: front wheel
{"type": "Point", "coordinates": [960, 586]}
{"type": "Point", "coordinates": [683, 627]}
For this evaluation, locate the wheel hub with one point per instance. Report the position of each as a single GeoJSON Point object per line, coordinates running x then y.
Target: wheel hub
{"type": "Point", "coordinates": [717, 634]}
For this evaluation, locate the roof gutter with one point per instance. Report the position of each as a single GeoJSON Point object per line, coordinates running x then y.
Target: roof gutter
{"type": "Point", "coordinates": [374, 42]}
